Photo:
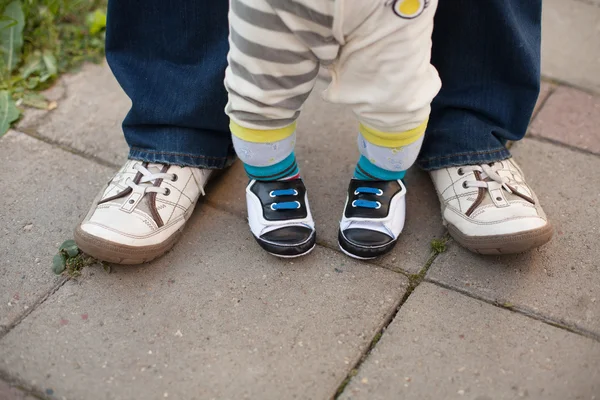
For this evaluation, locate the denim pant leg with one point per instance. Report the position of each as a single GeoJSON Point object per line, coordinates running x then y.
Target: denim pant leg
{"type": "Point", "coordinates": [488, 56]}
{"type": "Point", "coordinates": [170, 58]}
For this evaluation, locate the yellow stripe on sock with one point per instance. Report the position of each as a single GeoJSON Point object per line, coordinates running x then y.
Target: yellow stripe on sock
{"type": "Point", "coordinates": [393, 139]}
{"type": "Point", "coordinates": [259, 135]}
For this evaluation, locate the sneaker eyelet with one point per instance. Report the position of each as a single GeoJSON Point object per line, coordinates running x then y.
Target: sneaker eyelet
{"type": "Point", "coordinates": [464, 185]}
{"type": "Point", "coordinates": [380, 193]}
{"type": "Point", "coordinates": [167, 192]}
{"type": "Point", "coordinates": [353, 205]}
{"type": "Point", "coordinates": [131, 201]}
{"type": "Point", "coordinates": [499, 198]}
{"type": "Point", "coordinates": [272, 206]}
{"type": "Point", "coordinates": [460, 172]}
{"type": "Point", "coordinates": [378, 205]}
{"type": "Point", "coordinates": [271, 194]}
{"type": "Point", "coordinates": [174, 178]}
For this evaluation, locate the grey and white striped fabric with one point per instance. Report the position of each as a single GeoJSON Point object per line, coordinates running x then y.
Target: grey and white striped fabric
{"type": "Point", "coordinates": [379, 61]}
{"type": "Point", "coordinates": [276, 47]}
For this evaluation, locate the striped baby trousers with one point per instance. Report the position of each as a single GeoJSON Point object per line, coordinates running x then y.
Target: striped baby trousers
{"type": "Point", "coordinates": [377, 51]}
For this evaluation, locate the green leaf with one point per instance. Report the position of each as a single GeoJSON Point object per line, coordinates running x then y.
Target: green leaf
{"type": "Point", "coordinates": [59, 263]}
{"type": "Point", "coordinates": [11, 35]}
{"type": "Point", "coordinates": [35, 100]}
{"type": "Point", "coordinates": [107, 268]}
{"type": "Point", "coordinates": [34, 64]}
{"type": "Point", "coordinates": [50, 63]}
{"type": "Point", "coordinates": [33, 82]}
{"type": "Point", "coordinates": [96, 21]}
{"type": "Point", "coordinates": [8, 111]}
{"type": "Point", "coordinates": [69, 247]}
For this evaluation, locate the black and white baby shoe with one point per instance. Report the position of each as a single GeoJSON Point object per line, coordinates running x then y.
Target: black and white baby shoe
{"type": "Point", "coordinates": [280, 218]}
{"type": "Point", "coordinates": [373, 218]}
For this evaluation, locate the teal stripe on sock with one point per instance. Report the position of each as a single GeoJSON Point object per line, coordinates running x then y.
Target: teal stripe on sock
{"type": "Point", "coordinates": [366, 170]}
{"type": "Point", "coordinates": [282, 169]}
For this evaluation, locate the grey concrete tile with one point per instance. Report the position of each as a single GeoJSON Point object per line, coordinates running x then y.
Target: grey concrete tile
{"type": "Point", "coordinates": [545, 89]}
{"type": "Point", "coordinates": [44, 193]}
{"type": "Point", "coordinates": [570, 45]}
{"type": "Point", "coordinates": [9, 392]}
{"type": "Point", "coordinates": [327, 154]}
{"type": "Point", "coordinates": [559, 281]}
{"type": "Point", "coordinates": [443, 345]}
{"type": "Point", "coordinates": [215, 318]}
{"type": "Point", "coordinates": [572, 117]}
{"type": "Point", "coordinates": [89, 117]}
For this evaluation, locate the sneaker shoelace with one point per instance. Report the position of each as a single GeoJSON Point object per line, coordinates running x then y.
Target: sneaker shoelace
{"type": "Point", "coordinates": [284, 205]}
{"type": "Point", "coordinates": [491, 179]}
{"type": "Point", "coordinates": [146, 184]}
{"type": "Point", "coordinates": [361, 203]}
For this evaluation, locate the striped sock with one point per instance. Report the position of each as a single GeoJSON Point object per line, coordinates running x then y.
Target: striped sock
{"type": "Point", "coordinates": [284, 170]}
{"type": "Point", "coordinates": [367, 171]}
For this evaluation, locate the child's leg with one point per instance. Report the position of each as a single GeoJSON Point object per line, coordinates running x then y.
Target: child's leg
{"type": "Point", "coordinates": [271, 73]}
{"type": "Point", "coordinates": [384, 72]}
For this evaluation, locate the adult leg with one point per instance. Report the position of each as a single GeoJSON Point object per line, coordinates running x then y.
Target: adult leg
{"type": "Point", "coordinates": [488, 56]}
{"type": "Point", "coordinates": [170, 57]}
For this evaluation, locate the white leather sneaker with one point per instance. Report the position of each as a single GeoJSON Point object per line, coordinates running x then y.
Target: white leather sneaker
{"type": "Point", "coordinates": [141, 212]}
{"type": "Point", "coordinates": [490, 209]}
{"type": "Point", "coordinates": [280, 217]}
{"type": "Point", "coordinates": [373, 218]}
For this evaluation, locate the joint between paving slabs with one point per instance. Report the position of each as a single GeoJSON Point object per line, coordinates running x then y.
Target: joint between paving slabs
{"type": "Point", "coordinates": [561, 144]}
{"type": "Point", "coordinates": [90, 157]}
{"type": "Point", "coordinates": [522, 311]}
{"type": "Point", "coordinates": [414, 281]}
{"type": "Point", "coordinates": [19, 385]}
{"type": "Point", "coordinates": [34, 306]}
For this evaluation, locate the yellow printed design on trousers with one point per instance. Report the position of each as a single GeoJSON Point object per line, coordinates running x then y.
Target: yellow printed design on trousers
{"type": "Point", "coordinates": [409, 9]}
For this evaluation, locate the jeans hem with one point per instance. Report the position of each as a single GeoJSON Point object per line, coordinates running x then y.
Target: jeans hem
{"type": "Point", "coordinates": [460, 159]}
{"type": "Point", "coordinates": [180, 159]}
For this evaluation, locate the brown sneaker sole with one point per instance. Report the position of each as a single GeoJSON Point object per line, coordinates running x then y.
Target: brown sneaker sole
{"type": "Point", "coordinates": [503, 244]}
{"type": "Point", "coordinates": [105, 250]}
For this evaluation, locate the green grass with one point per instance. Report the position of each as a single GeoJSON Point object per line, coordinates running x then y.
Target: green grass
{"type": "Point", "coordinates": [39, 40]}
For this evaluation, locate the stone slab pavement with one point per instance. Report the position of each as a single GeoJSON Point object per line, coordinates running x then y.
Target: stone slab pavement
{"type": "Point", "coordinates": [570, 45]}
{"type": "Point", "coordinates": [217, 318]}
{"type": "Point", "coordinates": [443, 345]}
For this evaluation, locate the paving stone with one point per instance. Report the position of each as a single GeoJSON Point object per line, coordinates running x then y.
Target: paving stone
{"type": "Point", "coordinates": [572, 117]}
{"type": "Point", "coordinates": [89, 117]}
{"type": "Point", "coordinates": [570, 45]}
{"type": "Point", "coordinates": [215, 318]}
{"type": "Point", "coordinates": [44, 193]}
{"type": "Point", "coordinates": [327, 154]}
{"type": "Point", "coordinates": [545, 90]}
{"type": "Point", "coordinates": [8, 392]}
{"type": "Point", "coordinates": [560, 280]}
{"type": "Point", "coordinates": [443, 345]}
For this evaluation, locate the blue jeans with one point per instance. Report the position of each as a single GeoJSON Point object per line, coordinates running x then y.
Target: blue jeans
{"type": "Point", "coordinates": [170, 56]}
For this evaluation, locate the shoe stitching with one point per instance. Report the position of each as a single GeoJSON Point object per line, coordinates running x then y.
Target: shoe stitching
{"type": "Point", "coordinates": [452, 186]}
{"type": "Point", "coordinates": [472, 153]}
{"type": "Point", "coordinates": [168, 153]}
{"type": "Point", "coordinates": [159, 230]}
{"type": "Point", "coordinates": [179, 198]}
{"type": "Point", "coordinates": [470, 220]}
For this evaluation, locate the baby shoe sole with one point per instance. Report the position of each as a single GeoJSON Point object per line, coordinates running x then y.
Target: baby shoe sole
{"type": "Point", "coordinates": [289, 251]}
{"type": "Point", "coordinates": [363, 253]}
